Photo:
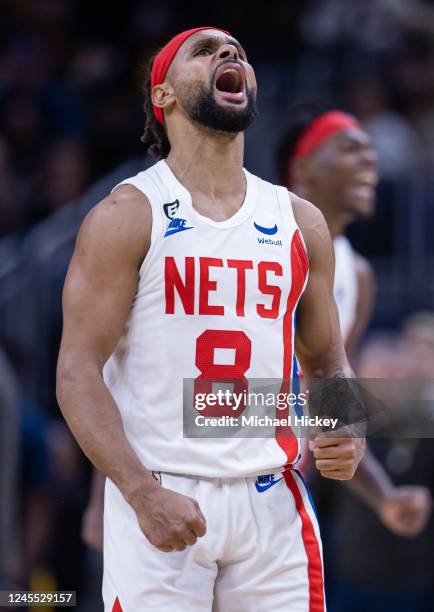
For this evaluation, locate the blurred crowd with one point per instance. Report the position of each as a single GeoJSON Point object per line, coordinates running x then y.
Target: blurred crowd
{"type": "Point", "coordinates": [71, 118]}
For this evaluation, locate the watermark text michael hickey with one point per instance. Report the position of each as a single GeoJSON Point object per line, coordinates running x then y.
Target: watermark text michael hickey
{"type": "Point", "coordinates": [265, 421]}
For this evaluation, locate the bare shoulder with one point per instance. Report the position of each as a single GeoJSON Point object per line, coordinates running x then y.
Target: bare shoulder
{"type": "Point", "coordinates": [121, 222]}
{"type": "Point", "coordinates": [124, 211]}
{"type": "Point", "coordinates": [311, 222]}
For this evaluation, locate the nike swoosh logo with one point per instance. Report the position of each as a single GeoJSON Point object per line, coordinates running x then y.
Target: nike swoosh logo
{"type": "Point", "coordinates": [260, 488]}
{"type": "Point", "coordinates": [175, 230]}
{"type": "Point", "coordinates": [266, 230]}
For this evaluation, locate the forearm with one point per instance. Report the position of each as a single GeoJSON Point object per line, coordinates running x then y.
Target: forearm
{"type": "Point", "coordinates": [95, 420]}
{"type": "Point", "coordinates": [326, 366]}
{"type": "Point", "coordinates": [371, 483]}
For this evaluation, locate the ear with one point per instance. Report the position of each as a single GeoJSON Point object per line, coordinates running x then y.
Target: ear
{"type": "Point", "coordinates": [300, 170]}
{"type": "Point", "coordinates": [163, 95]}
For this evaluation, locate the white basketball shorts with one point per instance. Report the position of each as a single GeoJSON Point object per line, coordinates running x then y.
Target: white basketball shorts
{"type": "Point", "coordinates": [261, 552]}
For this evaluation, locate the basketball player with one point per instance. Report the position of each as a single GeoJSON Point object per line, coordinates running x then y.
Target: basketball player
{"type": "Point", "coordinates": [193, 270]}
{"type": "Point", "coordinates": [327, 158]}
{"type": "Point", "coordinates": [328, 155]}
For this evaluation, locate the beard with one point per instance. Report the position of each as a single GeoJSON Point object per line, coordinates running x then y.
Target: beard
{"type": "Point", "coordinates": [199, 103]}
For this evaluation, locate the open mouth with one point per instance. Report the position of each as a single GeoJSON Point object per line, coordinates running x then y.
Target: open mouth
{"type": "Point", "coordinates": [230, 81]}
{"type": "Point", "coordinates": [364, 185]}
{"type": "Point", "coordinates": [367, 179]}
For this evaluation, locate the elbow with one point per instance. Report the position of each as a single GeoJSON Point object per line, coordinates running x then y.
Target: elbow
{"type": "Point", "coordinates": [74, 372]}
{"type": "Point", "coordinates": [64, 378]}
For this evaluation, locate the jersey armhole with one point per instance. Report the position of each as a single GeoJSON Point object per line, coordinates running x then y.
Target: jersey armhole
{"type": "Point", "coordinates": [287, 210]}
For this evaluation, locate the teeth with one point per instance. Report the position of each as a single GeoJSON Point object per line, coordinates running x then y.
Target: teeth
{"type": "Point", "coordinates": [367, 178]}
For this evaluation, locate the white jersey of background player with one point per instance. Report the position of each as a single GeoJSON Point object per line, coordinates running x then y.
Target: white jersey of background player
{"type": "Point", "coordinates": [353, 290]}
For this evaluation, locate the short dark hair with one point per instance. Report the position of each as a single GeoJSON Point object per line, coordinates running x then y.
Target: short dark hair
{"type": "Point", "coordinates": [302, 114]}
{"type": "Point", "coordinates": [155, 136]}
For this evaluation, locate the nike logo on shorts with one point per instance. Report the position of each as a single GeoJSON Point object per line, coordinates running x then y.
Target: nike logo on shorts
{"type": "Point", "coordinates": [266, 482]}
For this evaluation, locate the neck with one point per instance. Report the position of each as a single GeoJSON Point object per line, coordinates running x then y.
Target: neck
{"type": "Point", "coordinates": [337, 220]}
{"type": "Point", "coordinates": [208, 163]}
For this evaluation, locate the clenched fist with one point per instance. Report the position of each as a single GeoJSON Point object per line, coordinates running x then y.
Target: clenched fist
{"type": "Point", "coordinates": [170, 521]}
{"type": "Point", "coordinates": [337, 458]}
{"type": "Point", "coordinates": [406, 510]}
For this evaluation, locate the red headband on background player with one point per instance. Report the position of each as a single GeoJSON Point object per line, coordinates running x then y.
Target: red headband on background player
{"type": "Point", "coordinates": [321, 129]}
{"type": "Point", "coordinates": [165, 57]}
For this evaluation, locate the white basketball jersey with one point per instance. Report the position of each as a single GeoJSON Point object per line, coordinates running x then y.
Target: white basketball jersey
{"type": "Point", "coordinates": [215, 299]}
{"type": "Point", "coordinates": [345, 287]}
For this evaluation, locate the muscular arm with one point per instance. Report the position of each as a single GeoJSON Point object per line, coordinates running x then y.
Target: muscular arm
{"type": "Point", "coordinates": [99, 290]}
{"type": "Point", "coordinates": [319, 345]}
{"type": "Point", "coordinates": [97, 297]}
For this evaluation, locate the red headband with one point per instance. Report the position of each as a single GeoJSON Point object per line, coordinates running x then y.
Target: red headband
{"type": "Point", "coordinates": [165, 57]}
{"type": "Point", "coordinates": [321, 129]}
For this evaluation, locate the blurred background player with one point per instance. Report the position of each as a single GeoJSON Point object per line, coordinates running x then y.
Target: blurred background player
{"type": "Point", "coordinates": [328, 157]}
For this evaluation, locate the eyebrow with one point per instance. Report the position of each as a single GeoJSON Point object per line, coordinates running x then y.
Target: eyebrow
{"type": "Point", "coordinates": [214, 41]}
{"type": "Point", "coordinates": [365, 141]}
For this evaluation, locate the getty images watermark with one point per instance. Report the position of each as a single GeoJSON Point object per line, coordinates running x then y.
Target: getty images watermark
{"type": "Point", "coordinates": [258, 408]}
{"type": "Point", "coordinates": [283, 402]}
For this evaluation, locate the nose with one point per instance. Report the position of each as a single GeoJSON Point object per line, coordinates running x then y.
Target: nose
{"type": "Point", "coordinates": [228, 51]}
{"type": "Point", "coordinates": [370, 156]}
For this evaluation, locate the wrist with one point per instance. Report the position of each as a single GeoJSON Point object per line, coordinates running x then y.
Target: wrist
{"type": "Point", "coordinates": [382, 499]}
{"type": "Point", "coordinates": [137, 490]}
